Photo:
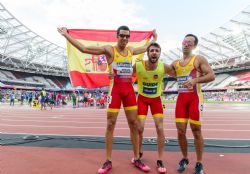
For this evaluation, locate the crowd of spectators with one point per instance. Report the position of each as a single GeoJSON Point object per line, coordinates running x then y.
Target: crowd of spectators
{"type": "Point", "coordinates": [235, 96]}
{"type": "Point", "coordinates": [77, 98]}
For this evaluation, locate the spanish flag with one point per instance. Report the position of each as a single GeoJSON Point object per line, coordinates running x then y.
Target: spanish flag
{"type": "Point", "coordinates": [90, 71]}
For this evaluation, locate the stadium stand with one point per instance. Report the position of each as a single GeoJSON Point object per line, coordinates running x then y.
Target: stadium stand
{"type": "Point", "coordinates": [33, 80]}
{"type": "Point", "coordinates": [28, 60]}
{"type": "Point", "coordinates": [224, 81]}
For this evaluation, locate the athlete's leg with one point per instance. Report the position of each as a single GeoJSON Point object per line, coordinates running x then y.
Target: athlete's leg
{"type": "Point", "coordinates": [198, 140]}
{"type": "Point", "coordinates": [111, 121]}
{"type": "Point", "coordinates": [141, 124]}
{"type": "Point", "coordinates": [130, 107]}
{"type": "Point", "coordinates": [160, 136]}
{"type": "Point", "coordinates": [182, 139]}
{"type": "Point", "coordinates": [142, 114]}
{"type": "Point", "coordinates": [181, 116]}
{"type": "Point", "coordinates": [114, 103]}
{"type": "Point", "coordinates": [133, 126]}
{"type": "Point", "coordinates": [157, 112]}
{"type": "Point", "coordinates": [195, 112]}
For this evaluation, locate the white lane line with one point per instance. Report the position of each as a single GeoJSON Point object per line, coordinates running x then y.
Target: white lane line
{"type": "Point", "coordinates": [104, 122]}
{"type": "Point", "coordinates": [117, 128]}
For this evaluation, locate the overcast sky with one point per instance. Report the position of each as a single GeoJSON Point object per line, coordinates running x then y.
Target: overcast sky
{"type": "Point", "coordinates": [171, 18]}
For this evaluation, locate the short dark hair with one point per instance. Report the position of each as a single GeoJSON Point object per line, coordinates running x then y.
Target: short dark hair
{"type": "Point", "coordinates": [196, 40]}
{"type": "Point", "coordinates": [153, 44]}
{"type": "Point", "coordinates": [123, 27]}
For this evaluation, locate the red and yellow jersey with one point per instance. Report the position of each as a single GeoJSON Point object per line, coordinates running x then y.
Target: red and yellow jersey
{"type": "Point", "coordinates": [184, 73]}
{"type": "Point", "coordinates": [121, 67]}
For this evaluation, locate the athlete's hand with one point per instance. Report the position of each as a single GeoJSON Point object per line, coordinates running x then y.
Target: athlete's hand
{"type": "Point", "coordinates": [110, 76]}
{"type": "Point", "coordinates": [189, 83]}
{"type": "Point", "coordinates": [138, 59]}
{"type": "Point", "coordinates": [155, 35]}
{"type": "Point", "coordinates": [63, 31]}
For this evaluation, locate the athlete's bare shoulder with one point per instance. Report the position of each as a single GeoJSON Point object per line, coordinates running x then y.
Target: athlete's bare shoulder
{"type": "Point", "coordinates": [200, 58]}
{"type": "Point", "coordinates": [173, 64]}
{"type": "Point", "coordinates": [200, 61]}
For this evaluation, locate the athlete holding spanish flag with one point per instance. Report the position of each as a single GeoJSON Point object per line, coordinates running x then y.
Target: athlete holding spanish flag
{"type": "Point", "coordinates": [119, 58]}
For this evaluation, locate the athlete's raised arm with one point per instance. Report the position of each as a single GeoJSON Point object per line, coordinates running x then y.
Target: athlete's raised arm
{"type": "Point", "coordinates": [143, 49]}
{"type": "Point", "coordinates": [106, 50]}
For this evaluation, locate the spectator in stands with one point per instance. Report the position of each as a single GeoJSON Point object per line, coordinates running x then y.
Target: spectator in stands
{"type": "Point", "coordinates": [191, 71]}
{"type": "Point", "coordinates": [43, 95]}
{"type": "Point", "coordinates": [58, 98]}
{"type": "Point", "coordinates": [30, 98]}
{"type": "Point", "coordinates": [64, 100]}
{"type": "Point", "coordinates": [1, 96]}
{"type": "Point", "coordinates": [85, 99]}
{"type": "Point", "coordinates": [74, 96]}
{"type": "Point", "coordinates": [22, 97]}
{"type": "Point", "coordinates": [51, 101]}
{"type": "Point", "coordinates": [102, 102]}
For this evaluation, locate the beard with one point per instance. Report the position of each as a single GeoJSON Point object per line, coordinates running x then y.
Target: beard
{"type": "Point", "coordinates": [154, 60]}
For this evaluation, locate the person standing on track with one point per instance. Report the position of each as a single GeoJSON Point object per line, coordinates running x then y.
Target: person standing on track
{"type": "Point", "coordinates": [191, 71]}
{"type": "Point", "coordinates": [150, 76]}
{"type": "Point", "coordinates": [119, 58]}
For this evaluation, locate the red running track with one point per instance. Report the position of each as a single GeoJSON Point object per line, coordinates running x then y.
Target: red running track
{"type": "Point", "coordinates": [220, 121]}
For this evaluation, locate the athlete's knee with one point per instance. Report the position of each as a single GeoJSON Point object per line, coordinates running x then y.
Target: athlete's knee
{"type": "Point", "coordinates": [197, 133]}
{"type": "Point", "coordinates": [181, 132]}
{"type": "Point", "coordinates": [159, 129]}
{"type": "Point", "coordinates": [111, 125]}
{"type": "Point", "coordinates": [140, 129]}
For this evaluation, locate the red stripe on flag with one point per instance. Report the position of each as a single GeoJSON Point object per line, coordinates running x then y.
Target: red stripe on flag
{"type": "Point", "coordinates": [88, 80]}
{"type": "Point", "coordinates": [107, 35]}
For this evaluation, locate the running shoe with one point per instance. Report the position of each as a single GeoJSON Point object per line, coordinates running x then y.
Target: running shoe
{"type": "Point", "coordinates": [198, 168]}
{"type": "Point", "coordinates": [160, 167]}
{"type": "Point", "coordinates": [140, 165]}
{"type": "Point", "coordinates": [182, 165]}
{"type": "Point", "coordinates": [105, 167]}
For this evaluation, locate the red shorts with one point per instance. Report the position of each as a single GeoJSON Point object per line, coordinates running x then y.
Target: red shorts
{"type": "Point", "coordinates": [121, 92]}
{"type": "Point", "coordinates": [189, 107]}
{"type": "Point", "coordinates": [155, 105]}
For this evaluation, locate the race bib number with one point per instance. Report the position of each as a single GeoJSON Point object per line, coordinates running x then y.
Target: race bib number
{"type": "Point", "coordinates": [124, 70]}
{"type": "Point", "coordinates": [180, 81]}
{"type": "Point", "coordinates": [149, 90]}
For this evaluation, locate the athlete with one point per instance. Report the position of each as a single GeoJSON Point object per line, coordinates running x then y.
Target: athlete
{"type": "Point", "coordinates": [191, 71]}
{"type": "Point", "coordinates": [119, 58]}
{"type": "Point", "coordinates": [150, 76]}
